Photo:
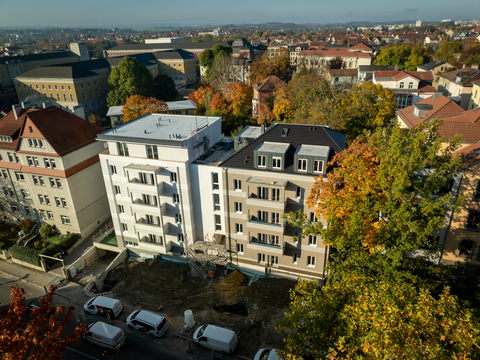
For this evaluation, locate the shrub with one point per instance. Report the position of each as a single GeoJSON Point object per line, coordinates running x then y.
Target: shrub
{"type": "Point", "coordinates": [46, 231]}
{"type": "Point", "coordinates": [58, 243]}
{"type": "Point", "coordinates": [1, 245]}
{"type": "Point", "coordinates": [25, 254]}
{"type": "Point", "coordinates": [26, 225]}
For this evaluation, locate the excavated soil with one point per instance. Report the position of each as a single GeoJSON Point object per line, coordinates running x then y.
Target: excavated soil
{"type": "Point", "coordinates": [251, 311]}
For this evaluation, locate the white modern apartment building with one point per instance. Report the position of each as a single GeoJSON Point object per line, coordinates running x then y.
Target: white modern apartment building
{"type": "Point", "coordinates": [150, 181]}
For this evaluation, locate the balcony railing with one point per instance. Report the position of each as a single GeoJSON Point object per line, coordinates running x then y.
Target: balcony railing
{"type": "Point", "coordinates": [256, 241]}
{"type": "Point", "coordinates": [146, 222]}
{"type": "Point", "coordinates": [140, 201]}
{"type": "Point", "coordinates": [146, 239]}
{"type": "Point", "coordinates": [255, 220]}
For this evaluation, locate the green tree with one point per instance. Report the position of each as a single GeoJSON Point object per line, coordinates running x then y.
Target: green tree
{"type": "Point", "coordinates": [207, 38]}
{"type": "Point", "coordinates": [206, 58]}
{"type": "Point", "coordinates": [449, 51]}
{"type": "Point", "coordinates": [126, 79]}
{"type": "Point", "coordinates": [164, 88]}
{"type": "Point", "coordinates": [405, 56]}
{"type": "Point", "coordinates": [46, 231]}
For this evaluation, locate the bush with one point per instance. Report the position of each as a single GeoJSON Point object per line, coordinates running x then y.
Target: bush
{"type": "Point", "coordinates": [46, 231]}
{"type": "Point", "coordinates": [25, 254]}
{"type": "Point", "coordinates": [58, 243]}
{"type": "Point", "coordinates": [1, 245]}
{"type": "Point", "coordinates": [26, 225]}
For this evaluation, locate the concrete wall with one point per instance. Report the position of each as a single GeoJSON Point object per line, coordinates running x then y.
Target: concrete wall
{"type": "Point", "coordinates": [79, 264]}
{"type": "Point", "coordinates": [117, 261]}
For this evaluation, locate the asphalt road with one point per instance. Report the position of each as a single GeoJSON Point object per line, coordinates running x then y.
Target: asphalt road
{"type": "Point", "coordinates": [137, 344]}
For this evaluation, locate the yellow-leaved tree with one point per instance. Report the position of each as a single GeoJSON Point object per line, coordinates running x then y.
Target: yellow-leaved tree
{"type": "Point", "coordinates": [137, 105]}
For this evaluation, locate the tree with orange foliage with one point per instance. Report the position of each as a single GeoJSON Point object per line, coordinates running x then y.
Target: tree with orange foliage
{"type": "Point", "coordinates": [239, 95]}
{"type": "Point", "coordinates": [219, 103]}
{"type": "Point", "coordinates": [137, 105]}
{"type": "Point", "coordinates": [262, 69]}
{"type": "Point", "coordinates": [201, 97]}
{"type": "Point", "coordinates": [43, 336]}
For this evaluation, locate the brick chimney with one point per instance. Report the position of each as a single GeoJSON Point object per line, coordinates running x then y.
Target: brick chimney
{"type": "Point", "coordinates": [396, 67]}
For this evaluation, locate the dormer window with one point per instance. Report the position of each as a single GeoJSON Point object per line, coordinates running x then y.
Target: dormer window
{"type": "Point", "coordinates": [318, 166]}
{"type": "Point", "coordinates": [402, 85]}
{"type": "Point", "coordinates": [276, 162]}
{"type": "Point", "coordinates": [261, 161]}
{"type": "Point", "coordinates": [302, 165]}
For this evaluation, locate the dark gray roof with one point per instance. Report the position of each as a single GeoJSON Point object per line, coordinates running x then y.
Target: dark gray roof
{"type": "Point", "coordinates": [66, 72]}
{"type": "Point", "coordinates": [431, 65]}
{"type": "Point", "coordinates": [39, 57]}
{"type": "Point", "coordinates": [146, 59]}
{"type": "Point", "coordinates": [168, 46]}
{"type": "Point", "coordinates": [368, 68]}
{"type": "Point", "coordinates": [174, 54]}
{"type": "Point", "coordinates": [298, 134]}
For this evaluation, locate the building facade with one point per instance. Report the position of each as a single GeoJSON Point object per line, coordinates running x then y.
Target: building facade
{"type": "Point", "coordinates": [50, 170]}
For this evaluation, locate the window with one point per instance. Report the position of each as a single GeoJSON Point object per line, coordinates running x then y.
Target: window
{"type": "Point", "coordinates": [40, 198]}
{"type": "Point", "coordinates": [5, 174]}
{"type": "Point", "coordinates": [274, 239]}
{"type": "Point", "coordinates": [476, 195]}
{"type": "Point", "coordinates": [152, 151]}
{"type": "Point", "coordinates": [10, 190]}
{"type": "Point", "coordinates": [116, 189]}
{"type": "Point", "coordinates": [82, 86]}
{"type": "Point", "coordinates": [273, 260]}
{"type": "Point", "coordinates": [215, 185]}
{"type": "Point", "coordinates": [312, 240]}
{"type": "Point", "coordinates": [96, 83]}
{"type": "Point", "coordinates": [25, 194]}
{"type": "Point", "coordinates": [302, 165]}
{"type": "Point", "coordinates": [298, 192]}
{"type": "Point", "coordinates": [146, 178]}
{"type": "Point", "coordinates": [14, 208]}
{"type": "Point", "coordinates": [84, 96]}
{"type": "Point", "coordinates": [122, 149]}
{"type": "Point", "coordinates": [239, 229]}
{"type": "Point", "coordinates": [238, 206]}
{"type": "Point", "coordinates": [295, 258]}
{"type": "Point", "coordinates": [89, 84]}
{"type": "Point", "coordinates": [262, 193]}
{"type": "Point", "coordinates": [317, 166]}
{"type": "Point", "coordinates": [27, 210]}
{"type": "Point", "coordinates": [58, 97]}
{"type": "Point", "coordinates": [276, 163]}
{"type": "Point", "coordinates": [19, 176]}
{"type": "Point", "coordinates": [64, 202]}
{"type": "Point", "coordinates": [313, 217]}
{"type": "Point", "coordinates": [262, 215]}
{"type": "Point", "coordinates": [29, 160]}
{"type": "Point", "coordinates": [69, 87]}
{"type": "Point", "coordinates": [178, 218]}
{"type": "Point", "coordinates": [261, 161]}
{"type": "Point", "coordinates": [218, 223]}
{"type": "Point", "coordinates": [276, 194]}
{"type": "Point", "coordinates": [35, 180]}
{"type": "Point", "coordinates": [173, 176]}
{"type": "Point", "coordinates": [262, 238]}
{"type": "Point", "coordinates": [50, 215]}
{"type": "Point", "coordinates": [149, 199]}
{"type": "Point", "coordinates": [261, 258]}
{"type": "Point", "coordinates": [402, 85]}
{"type": "Point", "coordinates": [56, 87]}
{"type": "Point", "coordinates": [45, 97]}
{"type": "Point", "coordinates": [57, 201]}
{"type": "Point", "coordinates": [121, 210]}
{"type": "Point", "coordinates": [239, 248]}
{"type": "Point", "coordinates": [10, 157]}
{"type": "Point", "coordinates": [47, 163]}
{"type": "Point", "coordinates": [311, 261]}
{"type": "Point", "coordinates": [5, 191]}
{"type": "Point", "coordinates": [237, 185]}
{"type": "Point", "coordinates": [216, 202]}
{"type": "Point", "coordinates": [296, 237]}
{"type": "Point", "coordinates": [40, 179]}
{"type": "Point", "coordinates": [124, 227]}
{"type": "Point", "coordinates": [59, 183]}
{"type": "Point", "coordinates": [47, 200]}
{"type": "Point", "coordinates": [113, 170]}
{"type": "Point", "coordinates": [275, 218]}
{"type": "Point", "coordinates": [466, 248]}
{"type": "Point", "coordinates": [410, 85]}
{"type": "Point", "coordinates": [52, 163]}
{"type": "Point", "coordinates": [64, 97]}
{"type": "Point", "coordinates": [473, 221]}
{"type": "Point", "coordinates": [49, 87]}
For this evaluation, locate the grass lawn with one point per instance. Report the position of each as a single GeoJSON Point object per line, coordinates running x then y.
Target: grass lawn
{"type": "Point", "coordinates": [111, 239]}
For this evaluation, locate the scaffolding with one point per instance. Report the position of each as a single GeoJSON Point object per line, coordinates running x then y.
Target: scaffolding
{"type": "Point", "coordinates": [203, 256]}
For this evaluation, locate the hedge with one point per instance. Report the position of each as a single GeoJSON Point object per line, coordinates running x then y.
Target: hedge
{"type": "Point", "coordinates": [1, 245]}
{"type": "Point", "coordinates": [25, 254]}
{"type": "Point", "coordinates": [30, 255]}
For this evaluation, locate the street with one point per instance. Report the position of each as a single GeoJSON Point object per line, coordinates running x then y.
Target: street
{"type": "Point", "coordinates": [166, 347]}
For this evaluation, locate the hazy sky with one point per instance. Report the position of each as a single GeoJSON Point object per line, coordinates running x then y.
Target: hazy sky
{"type": "Point", "coordinates": [137, 13]}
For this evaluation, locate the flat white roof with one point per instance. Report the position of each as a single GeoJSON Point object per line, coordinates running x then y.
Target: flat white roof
{"type": "Point", "coordinates": [313, 150]}
{"type": "Point", "coordinates": [172, 105]}
{"type": "Point", "coordinates": [273, 147]}
{"type": "Point", "coordinates": [250, 132]}
{"type": "Point", "coordinates": [161, 127]}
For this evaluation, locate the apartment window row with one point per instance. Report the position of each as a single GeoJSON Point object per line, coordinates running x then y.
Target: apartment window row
{"type": "Point", "coordinates": [49, 163]}
{"type": "Point", "coordinates": [13, 157]}
{"type": "Point", "coordinates": [263, 193]}
{"type": "Point", "coordinates": [35, 142]}
{"type": "Point", "coordinates": [268, 239]}
{"type": "Point", "coordinates": [59, 202]}
{"type": "Point", "coordinates": [302, 165]}
{"type": "Point", "coordinates": [262, 259]}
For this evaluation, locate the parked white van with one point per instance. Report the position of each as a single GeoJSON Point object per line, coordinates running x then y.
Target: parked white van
{"type": "Point", "coordinates": [105, 335]}
{"type": "Point", "coordinates": [147, 321]}
{"type": "Point", "coordinates": [101, 305]}
{"type": "Point", "coordinates": [216, 338]}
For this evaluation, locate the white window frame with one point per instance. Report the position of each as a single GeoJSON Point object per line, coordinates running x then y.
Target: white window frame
{"type": "Point", "coordinates": [238, 207]}
{"type": "Point", "coordinates": [261, 258]}
{"type": "Point", "coordinates": [124, 227]}
{"type": "Point", "coordinates": [295, 259]}
{"type": "Point", "coordinates": [316, 167]}
{"type": "Point", "coordinates": [218, 222]}
{"type": "Point", "coordinates": [239, 248]}
{"type": "Point", "coordinates": [65, 220]}
{"type": "Point", "coordinates": [261, 161]}
{"type": "Point", "coordinates": [276, 162]}
{"type": "Point", "coordinates": [237, 185]}
{"type": "Point", "coordinates": [216, 205]}
{"type": "Point", "coordinates": [311, 261]}
{"type": "Point", "coordinates": [238, 228]}
{"type": "Point", "coordinates": [215, 182]}
{"type": "Point", "coordinates": [312, 240]}
{"type": "Point", "coordinates": [302, 165]}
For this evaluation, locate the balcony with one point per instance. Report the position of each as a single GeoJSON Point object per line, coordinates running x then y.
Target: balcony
{"type": "Point", "coordinates": [254, 200]}
{"type": "Point", "coordinates": [137, 184]}
{"type": "Point", "coordinates": [255, 223]}
{"type": "Point", "coordinates": [139, 201]}
{"type": "Point", "coordinates": [160, 247]}
{"type": "Point", "coordinates": [146, 222]}
{"type": "Point", "coordinates": [256, 245]}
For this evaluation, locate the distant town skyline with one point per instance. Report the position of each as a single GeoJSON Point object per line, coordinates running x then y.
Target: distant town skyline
{"type": "Point", "coordinates": [149, 13]}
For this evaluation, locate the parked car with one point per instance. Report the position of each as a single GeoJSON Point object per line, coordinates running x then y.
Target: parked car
{"type": "Point", "coordinates": [216, 338]}
{"type": "Point", "coordinates": [147, 321]}
{"type": "Point", "coordinates": [35, 303]}
{"type": "Point", "coordinates": [101, 305]}
{"type": "Point", "coordinates": [266, 354]}
{"type": "Point", "coordinates": [105, 335]}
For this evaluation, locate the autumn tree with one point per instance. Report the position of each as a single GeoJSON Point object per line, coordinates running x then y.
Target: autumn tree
{"type": "Point", "coordinates": [95, 119]}
{"type": "Point", "coordinates": [449, 51]}
{"type": "Point", "coordinates": [407, 57]}
{"type": "Point", "coordinates": [164, 88]}
{"type": "Point", "coordinates": [260, 70]}
{"type": "Point", "coordinates": [239, 95]}
{"type": "Point", "coordinates": [202, 97]}
{"type": "Point", "coordinates": [43, 336]}
{"type": "Point", "coordinates": [136, 106]}
{"type": "Point", "coordinates": [471, 55]}
{"type": "Point", "coordinates": [335, 63]}
{"type": "Point", "coordinates": [127, 79]}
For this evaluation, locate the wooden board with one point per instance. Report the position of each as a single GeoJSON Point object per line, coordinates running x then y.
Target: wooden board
{"type": "Point", "coordinates": [91, 260]}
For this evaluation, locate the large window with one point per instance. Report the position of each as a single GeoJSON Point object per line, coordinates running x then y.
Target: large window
{"type": "Point", "coordinates": [317, 166]}
{"type": "Point", "coordinates": [122, 149]}
{"type": "Point", "coordinates": [152, 152]}
{"type": "Point", "coordinates": [262, 238]}
{"type": "Point", "coordinates": [403, 101]}
{"type": "Point", "coordinates": [261, 258]}
{"type": "Point", "coordinates": [218, 223]}
{"type": "Point", "coordinates": [65, 220]}
{"type": "Point", "coordinates": [311, 261]}
{"type": "Point", "coordinates": [237, 185]}
{"type": "Point", "coordinates": [476, 195]}
{"type": "Point", "coordinates": [262, 216]}
{"type": "Point", "coordinates": [239, 229]}
{"type": "Point", "coordinates": [473, 221]}
{"type": "Point", "coordinates": [312, 240]}
{"type": "Point", "coordinates": [302, 165]}
{"type": "Point", "coordinates": [215, 184]}
{"type": "Point", "coordinates": [238, 206]}
{"type": "Point", "coordinates": [262, 192]}
{"type": "Point", "coordinates": [466, 248]}
{"type": "Point", "coordinates": [261, 161]}
{"type": "Point", "coordinates": [276, 194]}
{"type": "Point", "coordinates": [276, 163]}
{"type": "Point", "coordinates": [275, 218]}
{"type": "Point", "coordinates": [216, 202]}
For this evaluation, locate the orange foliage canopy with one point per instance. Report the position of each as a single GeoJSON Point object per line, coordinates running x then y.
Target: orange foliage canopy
{"type": "Point", "coordinates": [201, 98]}
{"type": "Point", "coordinates": [137, 105]}
{"type": "Point", "coordinates": [43, 336]}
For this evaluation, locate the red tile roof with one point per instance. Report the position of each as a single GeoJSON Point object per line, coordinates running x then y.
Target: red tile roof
{"type": "Point", "coordinates": [360, 47]}
{"type": "Point", "coordinates": [334, 52]}
{"type": "Point", "coordinates": [400, 74]}
{"type": "Point", "coordinates": [268, 84]}
{"type": "Point", "coordinates": [334, 72]}
{"type": "Point", "coordinates": [468, 75]}
{"type": "Point", "coordinates": [64, 131]}
{"type": "Point", "coordinates": [470, 154]}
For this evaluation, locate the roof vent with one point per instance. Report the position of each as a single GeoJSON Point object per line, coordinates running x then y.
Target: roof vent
{"type": "Point", "coordinates": [312, 128]}
{"type": "Point", "coordinates": [145, 131]}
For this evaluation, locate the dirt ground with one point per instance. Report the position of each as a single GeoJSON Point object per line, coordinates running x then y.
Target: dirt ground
{"type": "Point", "coordinates": [228, 301]}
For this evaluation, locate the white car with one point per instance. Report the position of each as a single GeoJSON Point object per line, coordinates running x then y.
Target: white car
{"type": "Point", "coordinates": [266, 354]}
{"type": "Point", "coordinates": [147, 321]}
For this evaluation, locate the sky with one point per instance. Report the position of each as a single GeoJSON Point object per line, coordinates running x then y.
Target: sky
{"type": "Point", "coordinates": [149, 13]}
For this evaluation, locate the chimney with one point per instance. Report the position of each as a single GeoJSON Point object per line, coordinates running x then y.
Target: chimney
{"type": "Point", "coordinates": [262, 128]}
{"type": "Point", "coordinates": [17, 109]}
{"type": "Point", "coordinates": [396, 67]}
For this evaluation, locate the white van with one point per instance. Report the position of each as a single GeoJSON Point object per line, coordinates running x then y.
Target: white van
{"type": "Point", "coordinates": [101, 305]}
{"type": "Point", "coordinates": [105, 335]}
{"type": "Point", "coordinates": [216, 338]}
{"type": "Point", "coordinates": [266, 354]}
{"type": "Point", "coordinates": [147, 321]}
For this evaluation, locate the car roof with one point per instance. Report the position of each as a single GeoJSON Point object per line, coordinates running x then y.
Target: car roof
{"type": "Point", "coordinates": [105, 329]}
{"type": "Point", "coordinates": [104, 301]}
{"type": "Point", "coordinates": [149, 317]}
{"type": "Point", "coordinates": [219, 333]}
